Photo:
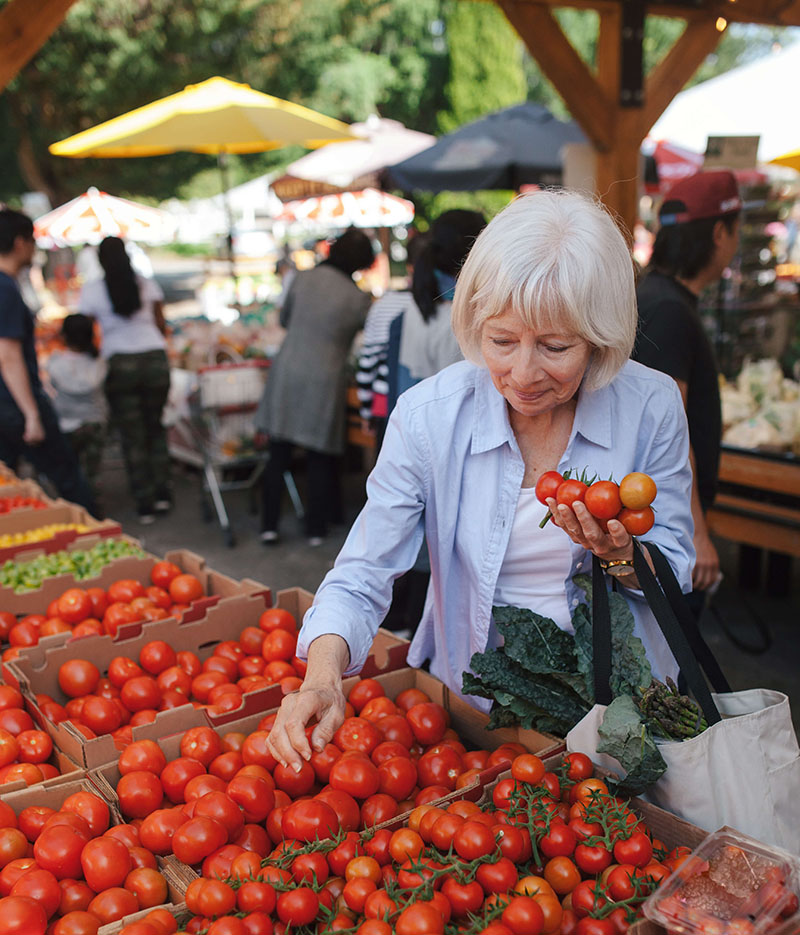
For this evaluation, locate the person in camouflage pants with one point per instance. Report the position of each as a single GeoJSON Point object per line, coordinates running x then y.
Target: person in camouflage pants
{"type": "Point", "coordinates": [136, 387]}
{"type": "Point", "coordinates": [87, 442]}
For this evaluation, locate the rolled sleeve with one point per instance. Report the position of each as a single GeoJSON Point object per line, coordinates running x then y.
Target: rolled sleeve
{"type": "Point", "coordinates": [383, 544]}
{"type": "Point", "coordinates": [667, 462]}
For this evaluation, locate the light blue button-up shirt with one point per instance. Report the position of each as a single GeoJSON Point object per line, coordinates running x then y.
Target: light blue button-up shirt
{"type": "Point", "coordinates": [450, 468]}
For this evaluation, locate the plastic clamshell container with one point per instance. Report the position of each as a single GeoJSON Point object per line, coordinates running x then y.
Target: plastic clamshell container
{"type": "Point", "coordinates": [731, 884]}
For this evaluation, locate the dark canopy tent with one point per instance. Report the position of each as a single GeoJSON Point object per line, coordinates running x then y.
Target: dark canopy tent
{"type": "Point", "coordinates": [520, 145]}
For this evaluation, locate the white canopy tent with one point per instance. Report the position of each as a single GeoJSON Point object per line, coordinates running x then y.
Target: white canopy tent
{"type": "Point", "coordinates": [757, 99]}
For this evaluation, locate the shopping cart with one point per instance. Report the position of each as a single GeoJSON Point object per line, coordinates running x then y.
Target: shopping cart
{"type": "Point", "coordinates": [213, 429]}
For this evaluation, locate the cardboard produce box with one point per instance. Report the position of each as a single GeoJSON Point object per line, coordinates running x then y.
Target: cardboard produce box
{"type": "Point", "coordinates": [22, 521]}
{"type": "Point", "coordinates": [25, 488]}
{"type": "Point", "coordinates": [54, 796]}
{"type": "Point", "coordinates": [216, 587]}
{"type": "Point", "coordinates": [7, 476]}
{"type": "Point", "coordinates": [176, 908]}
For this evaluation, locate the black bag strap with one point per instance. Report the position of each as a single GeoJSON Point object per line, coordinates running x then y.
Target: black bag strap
{"type": "Point", "coordinates": [691, 631]}
{"type": "Point", "coordinates": [601, 635]}
{"type": "Point", "coordinates": [667, 620]}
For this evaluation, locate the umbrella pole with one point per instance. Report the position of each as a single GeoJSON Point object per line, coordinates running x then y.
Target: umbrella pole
{"type": "Point", "coordinates": [222, 162]}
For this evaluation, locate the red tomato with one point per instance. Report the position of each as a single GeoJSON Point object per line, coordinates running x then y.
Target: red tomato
{"type": "Point", "coordinates": [202, 744]}
{"type": "Point", "coordinates": [253, 795]}
{"type": "Point", "coordinates": [428, 722]}
{"type": "Point", "coordinates": [592, 859]}
{"type": "Point", "coordinates": [99, 601]}
{"type": "Point", "coordinates": [559, 841]}
{"type": "Point", "coordinates": [355, 775]}
{"type": "Point", "coordinates": [78, 677]}
{"type": "Point", "coordinates": [356, 733]}
{"type": "Point", "coordinates": [156, 656]}
{"type": "Point", "coordinates": [142, 755]}
{"type": "Point", "coordinates": [148, 886]}
{"type": "Point", "coordinates": [125, 590]}
{"type": "Point", "coordinates": [523, 916]}
{"type": "Point", "coordinates": [158, 828]}
{"type": "Point", "coordinates": [141, 693]}
{"type": "Point", "coordinates": [162, 573]}
{"type": "Point", "coordinates": [20, 915]}
{"type": "Point", "coordinates": [363, 691]}
{"type": "Point", "coordinates": [223, 808]}
{"type": "Point", "coordinates": [294, 783]}
{"type": "Point", "coordinates": [637, 522]}
{"type": "Point", "coordinates": [106, 862]}
{"type": "Point", "coordinates": [120, 669]}
{"type": "Point", "coordinates": [183, 589]}
{"type": "Point", "coordinates": [101, 715]}
{"type": "Point", "coordinates": [112, 904]}
{"type": "Point", "coordinates": [277, 619]}
{"type": "Point", "coordinates": [308, 820]}
{"type": "Point", "coordinates": [91, 808]}
{"type": "Point", "coordinates": [579, 766]}
{"type": "Point", "coordinates": [7, 623]}
{"type": "Point", "coordinates": [118, 614]}
{"type": "Point", "coordinates": [571, 491]}
{"type": "Point", "coordinates": [139, 792]}
{"type": "Point", "coordinates": [377, 809]}
{"type": "Point", "coordinates": [440, 766]}
{"type": "Point", "coordinates": [298, 907]}
{"type": "Point", "coordinates": [198, 838]}
{"type": "Point", "coordinates": [74, 605]}
{"type": "Point", "coordinates": [636, 850]}
{"type": "Point", "coordinates": [602, 499]}
{"type": "Point", "coordinates": [58, 849]}
{"type": "Point", "coordinates": [498, 877]}
{"type": "Point", "coordinates": [345, 806]}
{"type": "Point", "coordinates": [547, 485]}
{"type": "Point", "coordinates": [420, 918]}
{"type": "Point", "coordinates": [278, 645]}
{"type": "Point", "coordinates": [473, 839]}
{"type": "Point", "coordinates": [397, 777]}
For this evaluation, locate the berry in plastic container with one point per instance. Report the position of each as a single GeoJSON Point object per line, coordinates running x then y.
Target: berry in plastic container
{"type": "Point", "coordinates": [730, 885]}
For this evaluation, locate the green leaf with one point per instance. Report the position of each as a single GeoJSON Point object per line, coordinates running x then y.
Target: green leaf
{"type": "Point", "coordinates": [630, 670]}
{"type": "Point", "coordinates": [582, 622]}
{"type": "Point", "coordinates": [625, 736]}
{"type": "Point", "coordinates": [533, 641]}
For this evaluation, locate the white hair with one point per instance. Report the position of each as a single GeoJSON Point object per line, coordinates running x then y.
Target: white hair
{"type": "Point", "coordinates": [559, 261]}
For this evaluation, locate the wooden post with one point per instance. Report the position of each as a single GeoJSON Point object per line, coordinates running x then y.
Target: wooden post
{"type": "Point", "coordinates": [24, 29]}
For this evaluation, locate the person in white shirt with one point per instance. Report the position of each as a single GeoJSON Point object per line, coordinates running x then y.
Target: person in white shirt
{"type": "Point", "coordinates": [77, 375]}
{"type": "Point", "coordinates": [129, 309]}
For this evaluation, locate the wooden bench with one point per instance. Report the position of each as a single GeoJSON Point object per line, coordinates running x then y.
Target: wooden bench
{"type": "Point", "coordinates": [770, 517]}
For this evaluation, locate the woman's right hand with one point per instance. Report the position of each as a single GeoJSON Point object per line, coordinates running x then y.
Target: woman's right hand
{"type": "Point", "coordinates": [288, 741]}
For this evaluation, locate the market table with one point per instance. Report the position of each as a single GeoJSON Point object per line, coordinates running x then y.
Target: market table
{"type": "Point", "coordinates": [758, 503]}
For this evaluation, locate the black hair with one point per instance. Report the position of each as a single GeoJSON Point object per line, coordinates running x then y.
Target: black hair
{"type": "Point", "coordinates": [684, 250]}
{"type": "Point", "coordinates": [78, 334]}
{"type": "Point", "coordinates": [416, 245]}
{"type": "Point", "coordinates": [451, 237]}
{"type": "Point", "coordinates": [351, 251]}
{"type": "Point", "coordinates": [123, 289]}
{"type": "Point", "coordinates": [13, 224]}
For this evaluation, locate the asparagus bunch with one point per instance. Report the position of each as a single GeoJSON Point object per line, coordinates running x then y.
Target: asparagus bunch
{"type": "Point", "coordinates": [672, 715]}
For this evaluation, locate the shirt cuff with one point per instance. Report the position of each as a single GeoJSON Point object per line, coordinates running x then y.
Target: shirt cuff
{"type": "Point", "coordinates": [320, 623]}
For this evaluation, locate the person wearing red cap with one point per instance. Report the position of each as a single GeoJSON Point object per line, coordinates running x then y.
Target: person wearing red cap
{"type": "Point", "coordinates": [697, 240]}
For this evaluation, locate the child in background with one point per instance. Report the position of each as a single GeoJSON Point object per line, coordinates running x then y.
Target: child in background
{"type": "Point", "coordinates": [77, 375]}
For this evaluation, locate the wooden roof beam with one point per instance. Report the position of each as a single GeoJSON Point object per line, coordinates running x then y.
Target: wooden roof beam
{"type": "Point", "coordinates": [669, 77]}
{"type": "Point", "coordinates": [555, 55]}
{"type": "Point", "coordinates": [759, 12]}
{"type": "Point", "coordinates": [24, 29]}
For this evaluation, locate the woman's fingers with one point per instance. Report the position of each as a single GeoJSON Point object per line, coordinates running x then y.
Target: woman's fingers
{"type": "Point", "coordinates": [287, 739]}
{"type": "Point", "coordinates": [585, 530]}
{"type": "Point", "coordinates": [329, 723]}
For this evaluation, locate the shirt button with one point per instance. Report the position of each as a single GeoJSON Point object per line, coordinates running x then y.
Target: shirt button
{"type": "Point", "coordinates": [575, 602]}
{"type": "Point", "coordinates": [579, 565]}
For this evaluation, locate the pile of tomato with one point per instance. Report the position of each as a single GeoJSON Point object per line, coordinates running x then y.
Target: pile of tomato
{"type": "Point", "coordinates": [547, 854]}
{"type": "Point", "coordinates": [93, 611]}
{"type": "Point", "coordinates": [68, 869]}
{"type": "Point", "coordinates": [19, 502]}
{"type": "Point", "coordinates": [628, 502]}
{"type": "Point", "coordinates": [24, 749]}
{"type": "Point", "coordinates": [133, 691]}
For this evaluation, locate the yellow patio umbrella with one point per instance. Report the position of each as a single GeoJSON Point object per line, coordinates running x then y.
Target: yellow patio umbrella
{"type": "Point", "coordinates": [216, 116]}
{"type": "Point", "coordinates": [792, 160]}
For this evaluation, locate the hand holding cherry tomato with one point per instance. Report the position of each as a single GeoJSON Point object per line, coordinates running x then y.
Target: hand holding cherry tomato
{"type": "Point", "coordinates": [611, 544]}
{"type": "Point", "coordinates": [288, 741]}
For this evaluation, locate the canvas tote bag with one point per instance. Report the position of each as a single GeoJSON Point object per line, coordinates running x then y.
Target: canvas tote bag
{"type": "Point", "coordinates": [744, 769]}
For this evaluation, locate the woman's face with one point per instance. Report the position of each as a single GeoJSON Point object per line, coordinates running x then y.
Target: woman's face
{"type": "Point", "coordinates": [534, 372]}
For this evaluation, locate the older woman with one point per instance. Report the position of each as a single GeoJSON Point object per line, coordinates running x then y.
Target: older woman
{"type": "Point", "coordinates": [545, 314]}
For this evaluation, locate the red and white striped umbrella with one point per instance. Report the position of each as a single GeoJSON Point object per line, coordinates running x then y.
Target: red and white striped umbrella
{"type": "Point", "coordinates": [367, 208]}
{"type": "Point", "coordinates": [94, 215]}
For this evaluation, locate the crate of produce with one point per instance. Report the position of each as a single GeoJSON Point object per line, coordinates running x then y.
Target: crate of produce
{"type": "Point", "coordinates": [75, 795]}
{"type": "Point", "coordinates": [37, 671]}
{"type": "Point", "coordinates": [177, 909]}
{"type": "Point", "coordinates": [50, 530]}
{"type": "Point", "coordinates": [23, 490]}
{"type": "Point", "coordinates": [138, 567]}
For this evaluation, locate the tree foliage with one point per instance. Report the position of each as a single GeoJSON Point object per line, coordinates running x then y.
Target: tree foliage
{"type": "Point", "coordinates": [432, 64]}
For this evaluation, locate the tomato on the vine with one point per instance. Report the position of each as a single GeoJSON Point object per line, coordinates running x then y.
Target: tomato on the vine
{"type": "Point", "coordinates": [547, 486]}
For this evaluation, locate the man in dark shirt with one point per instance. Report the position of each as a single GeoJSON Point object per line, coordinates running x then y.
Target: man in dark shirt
{"type": "Point", "coordinates": [28, 423]}
{"type": "Point", "coordinates": [697, 240]}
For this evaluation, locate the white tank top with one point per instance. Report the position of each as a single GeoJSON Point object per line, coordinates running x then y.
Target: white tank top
{"type": "Point", "coordinates": [536, 564]}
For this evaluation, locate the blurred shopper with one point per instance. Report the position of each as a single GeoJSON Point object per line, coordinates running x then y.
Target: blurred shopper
{"type": "Point", "coordinates": [28, 422]}
{"type": "Point", "coordinates": [77, 375]}
{"type": "Point", "coordinates": [373, 366]}
{"type": "Point", "coordinates": [129, 309]}
{"type": "Point", "coordinates": [697, 240]}
{"type": "Point", "coordinates": [305, 396]}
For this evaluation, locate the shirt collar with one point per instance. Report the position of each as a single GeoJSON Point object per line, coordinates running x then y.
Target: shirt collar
{"type": "Point", "coordinates": [492, 428]}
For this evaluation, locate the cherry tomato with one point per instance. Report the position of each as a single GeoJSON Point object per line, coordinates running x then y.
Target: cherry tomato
{"type": "Point", "coordinates": [637, 522]}
{"type": "Point", "coordinates": [637, 490]}
{"type": "Point", "coordinates": [571, 491]}
{"type": "Point", "coordinates": [547, 486]}
{"type": "Point", "coordinates": [602, 499]}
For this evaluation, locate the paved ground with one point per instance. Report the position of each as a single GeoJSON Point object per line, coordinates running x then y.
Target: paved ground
{"type": "Point", "coordinates": [750, 615]}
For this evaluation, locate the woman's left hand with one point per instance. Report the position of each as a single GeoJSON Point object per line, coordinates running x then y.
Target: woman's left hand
{"type": "Point", "coordinates": [584, 529]}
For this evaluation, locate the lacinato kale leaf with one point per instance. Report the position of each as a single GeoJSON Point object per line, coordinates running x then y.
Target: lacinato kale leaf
{"type": "Point", "coordinates": [625, 736]}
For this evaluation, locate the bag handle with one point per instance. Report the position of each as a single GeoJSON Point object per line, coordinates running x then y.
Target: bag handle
{"type": "Point", "coordinates": [701, 649]}
{"type": "Point", "coordinates": [667, 621]}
